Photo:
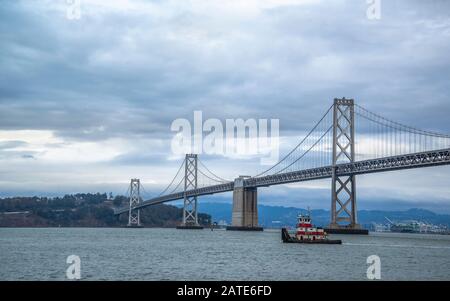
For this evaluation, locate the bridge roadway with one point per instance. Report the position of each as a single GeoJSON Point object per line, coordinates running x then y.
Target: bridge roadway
{"type": "Point", "coordinates": [408, 161]}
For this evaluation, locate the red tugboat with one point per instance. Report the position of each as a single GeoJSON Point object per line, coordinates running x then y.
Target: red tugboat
{"type": "Point", "coordinates": [307, 233]}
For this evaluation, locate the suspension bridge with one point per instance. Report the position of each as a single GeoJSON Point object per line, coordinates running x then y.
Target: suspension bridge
{"type": "Point", "coordinates": [348, 140]}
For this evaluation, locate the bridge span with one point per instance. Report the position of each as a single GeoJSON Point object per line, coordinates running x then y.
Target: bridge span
{"type": "Point", "coordinates": [332, 149]}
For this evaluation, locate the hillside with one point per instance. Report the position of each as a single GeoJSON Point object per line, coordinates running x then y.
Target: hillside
{"type": "Point", "coordinates": [82, 210]}
{"type": "Point", "coordinates": [96, 210]}
{"type": "Point", "coordinates": [277, 216]}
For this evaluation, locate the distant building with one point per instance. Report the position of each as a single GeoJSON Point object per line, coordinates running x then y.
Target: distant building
{"type": "Point", "coordinates": [417, 227]}
{"type": "Point", "coordinates": [381, 227]}
{"type": "Point", "coordinates": [222, 223]}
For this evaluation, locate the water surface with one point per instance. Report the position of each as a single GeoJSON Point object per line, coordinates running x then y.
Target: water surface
{"type": "Point", "coordinates": [170, 254]}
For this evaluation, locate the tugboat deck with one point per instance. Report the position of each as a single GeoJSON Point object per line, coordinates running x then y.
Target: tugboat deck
{"type": "Point", "coordinates": [289, 239]}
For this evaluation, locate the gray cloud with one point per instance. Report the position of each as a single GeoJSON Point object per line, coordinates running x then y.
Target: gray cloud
{"type": "Point", "coordinates": [114, 69]}
{"type": "Point", "coordinates": [11, 144]}
{"type": "Point", "coordinates": [127, 74]}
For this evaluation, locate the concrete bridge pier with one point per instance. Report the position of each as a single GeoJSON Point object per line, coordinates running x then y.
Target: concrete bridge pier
{"type": "Point", "coordinates": [245, 207]}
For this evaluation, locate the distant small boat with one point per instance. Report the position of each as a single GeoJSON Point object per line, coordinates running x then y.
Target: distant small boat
{"type": "Point", "coordinates": [307, 233]}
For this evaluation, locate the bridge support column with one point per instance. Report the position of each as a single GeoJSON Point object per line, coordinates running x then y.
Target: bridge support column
{"type": "Point", "coordinates": [245, 207]}
{"type": "Point", "coordinates": [135, 199]}
{"type": "Point", "coordinates": [190, 216]}
{"type": "Point", "coordinates": [343, 188]}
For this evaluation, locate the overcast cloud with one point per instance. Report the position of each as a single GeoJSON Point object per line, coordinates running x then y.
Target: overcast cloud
{"type": "Point", "coordinates": [87, 104]}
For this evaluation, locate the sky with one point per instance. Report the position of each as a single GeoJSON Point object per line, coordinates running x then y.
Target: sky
{"type": "Point", "coordinates": [87, 103]}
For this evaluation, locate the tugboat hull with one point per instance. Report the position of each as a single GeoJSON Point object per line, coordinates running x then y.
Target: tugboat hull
{"type": "Point", "coordinates": [286, 238]}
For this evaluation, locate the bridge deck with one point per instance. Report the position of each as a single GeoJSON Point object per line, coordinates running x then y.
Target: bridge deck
{"type": "Point", "coordinates": [415, 160]}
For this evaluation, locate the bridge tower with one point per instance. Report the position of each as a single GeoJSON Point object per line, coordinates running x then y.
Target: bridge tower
{"type": "Point", "coordinates": [135, 199]}
{"type": "Point", "coordinates": [190, 216]}
{"type": "Point", "coordinates": [343, 188]}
